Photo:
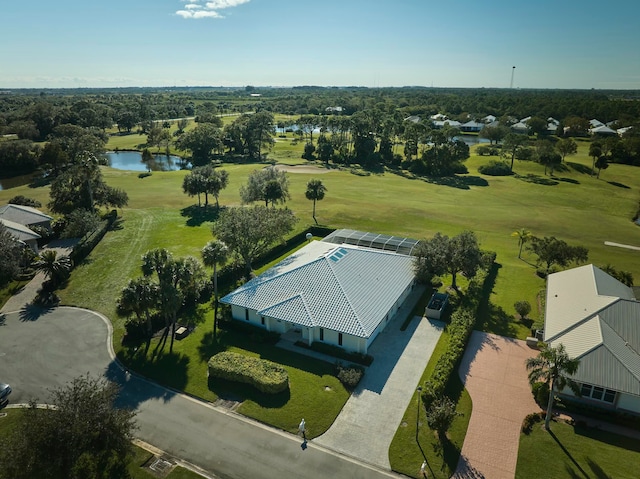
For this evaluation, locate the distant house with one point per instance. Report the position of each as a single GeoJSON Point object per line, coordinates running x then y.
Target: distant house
{"type": "Point", "coordinates": [439, 117]}
{"type": "Point", "coordinates": [602, 130]}
{"type": "Point", "coordinates": [331, 291]}
{"type": "Point", "coordinates": [595, 123]}
{"type": "Point", "coordinates": [489, 119]}
{"type": "Point", "coordinates": [622, 131]}
{"type": "Point", "coordinates": [333, 109]}
{"type": "Point", "coordinates": [22, 233]}
{"type": "Point", "coordinates": [597, 319]}
{"type": "Point", "coordinates": [471, 126]}
{"type": "Point", "coordinates": [413, 119]}
{"type": "Point", "coordinates": [520, 127]}
{"type": "Point", "coordinates": [442, 123]}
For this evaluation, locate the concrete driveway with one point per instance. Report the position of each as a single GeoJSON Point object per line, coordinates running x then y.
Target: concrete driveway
{"type": "Point", "coordinates": [493, 371]}
{"type": "Point", "coordinates": [42, 350]}
{"type": "Point", "coordinates": [368, 421]}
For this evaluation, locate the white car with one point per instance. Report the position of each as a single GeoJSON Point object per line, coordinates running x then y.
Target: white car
{"type": "Point", "coordinates": [5, 390]}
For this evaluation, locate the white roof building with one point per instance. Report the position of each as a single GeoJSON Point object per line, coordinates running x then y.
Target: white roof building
{"type": "Point", "coordinates": [339, 294]}
{"type": "Point", "coordinates": [597, 319]}
{"type": "Point", "coordinates": [25, 215]}
{"type": "Point", "coordinates": [22, 233]}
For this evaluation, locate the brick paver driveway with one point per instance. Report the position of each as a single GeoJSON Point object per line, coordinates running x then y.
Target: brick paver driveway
{"type": "Point", "coordinates": [493, 371]}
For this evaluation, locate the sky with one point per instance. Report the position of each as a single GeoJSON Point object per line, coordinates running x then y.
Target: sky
{"type": "Point", "coordinates": [376, 43]}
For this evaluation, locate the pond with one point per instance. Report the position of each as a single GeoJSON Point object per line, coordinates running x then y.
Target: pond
{"type": "Point", "coordinates": [7, 183]}
{"type": "Point", "coordinates": [471, 140]}
{"type": "Point", "coordinates": [132, 161]}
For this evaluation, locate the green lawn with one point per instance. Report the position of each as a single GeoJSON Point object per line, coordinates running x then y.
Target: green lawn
{"type": "Point", "coordinates": [577, 452]}
{"type": "Point", "coordinates": [406, 454]}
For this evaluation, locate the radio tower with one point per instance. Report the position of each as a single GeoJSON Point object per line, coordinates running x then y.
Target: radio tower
{"type": "Point", "coordinates": [513, 70]}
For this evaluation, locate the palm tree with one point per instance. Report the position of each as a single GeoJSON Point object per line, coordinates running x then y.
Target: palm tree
{"type": "Point", "coordinates": [215, 253]}
{"type": "Point", "coordinates": [553, 367]}
{"type": "Point", "coordinates": [53, 266]}
{"type": "Point", "coordinates": [523, 236]}
{"type": "Point", "coordinates": [139, 297]}
{"type": "Point", "coordinates": [315, 192]}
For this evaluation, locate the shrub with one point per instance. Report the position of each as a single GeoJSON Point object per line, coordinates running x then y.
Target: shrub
{"type": "Point", "coordinates": [144, 174]}
{"type": "Point", "coordinates": [24, 201]}
{"type": "Point", "coordinates": [79, 223]}
{"type": "Point", "coordinates": [82, 249]}
{"type": "Point", "coordinates": [540, 393]}
{"type": "Point", "coordinates": [265, 376]}
{"type": "Point", "coordinates": [338, 352]}
{"type": "Point", "coordinates": [350, 376]}
{"type": "Point", "coordinates": [523, 308]}
{"type": "Point", "coordinates": [531, 420]}
{"type": "Point", "coordinates": [495, 168]}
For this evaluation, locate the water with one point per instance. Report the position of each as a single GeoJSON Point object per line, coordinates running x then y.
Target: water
{"type": "Point", "coordinates": [8, 183]}
{"type": "Point", "coordinates": [471, 140]}
{"type": "Point", "coordinates": [132, 161]}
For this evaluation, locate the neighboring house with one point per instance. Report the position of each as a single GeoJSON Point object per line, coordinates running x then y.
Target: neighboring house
{"type": "Point", "coordinates": [439, 117]}
{"type": "Point", "coordinates": [472, 126]}
{"type": "Point", "coordinates": [333, 109]}
{"type": "Point", "coordinates": [489, 119]}
{"type": "Point", "coordinates": [443, 123]}
{"type": "Point", "coordinates": [413, 119]}
{"type": "Point", "coordinates": [520, 127]}
{"type": "Point", "coordinates": [22, 233]}
{"type": "Point", "coordinates": [339, 294]}
{"type": "Point", "coordinates": [602, 130]}
{"type": "Point", "coordinates": [25, 215]}
{"type": "Point", "coordinates": [622, 131]}
{"type": "Point", "coordinates": [595, 123]}
{"type": "Point", "coordinates": [597, 319]}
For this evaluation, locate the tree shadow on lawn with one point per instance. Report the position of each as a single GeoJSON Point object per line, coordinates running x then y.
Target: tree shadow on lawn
{"type": "Point", "coordinates": [606, 437]}
{"type": "Point", "coordinates": [619, 185]}
{"type": "Point", "coordinates": [460, 182]}
{"type": "Point", "coordinates": [567, 180]}
{"type": "Point", "coordinates": [168, 369]}
{"type": "Point", "coordinates": [200, 214]}
{"type": "Point", "coordinates": [579, 167]}
{"type": "Point", "coordinates": [492, 318]}
{"type": "Point", "coordinates": [566, 451]}
{"type": "Point", "coordinates": [537, 179]}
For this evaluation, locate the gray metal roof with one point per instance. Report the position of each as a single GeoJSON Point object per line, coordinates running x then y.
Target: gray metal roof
{"type": "Point", "coordinates": [24, 215]}
{"type": "Point", "coordinates": [23, 233]}
{"type": "Point", "coordinates": [372, 240]}
{"type": "Point", "coordinates": [595, 326]}
{"type": "Point", "coordinates": [344, 288]}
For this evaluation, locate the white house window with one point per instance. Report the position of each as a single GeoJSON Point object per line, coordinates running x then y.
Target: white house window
{"type": "Point", "coordinates": [321, 334]}
{"type": "Point", "coordinates": [246, 314]}
{"type": "Point", "coordinates": [340, 339]}
{"type": "Point", "coordinates": [262, 319]}
{"type": "Point", "coordinates": [598, 393]}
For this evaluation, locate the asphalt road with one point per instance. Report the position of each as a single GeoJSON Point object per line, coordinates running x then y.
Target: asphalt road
{"type": "Point", "coordinates": [40, 351]}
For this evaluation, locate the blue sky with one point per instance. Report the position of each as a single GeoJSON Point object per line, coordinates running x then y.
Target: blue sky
{"type": "Point", "coordinates": [462, 43]}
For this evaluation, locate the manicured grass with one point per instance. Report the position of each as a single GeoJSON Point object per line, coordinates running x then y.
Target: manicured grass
{"type": "Point", "coordinates": [577, 452]}
{"type": "Point", "coordinates": [314, 392]}
{"type": "Point", "coordinates": [406, 454]}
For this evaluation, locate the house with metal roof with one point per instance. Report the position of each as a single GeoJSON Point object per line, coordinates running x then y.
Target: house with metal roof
{"type": "Point", "coordinates": [25, 215]}
{"type": "Point", "coordinates": [330, 291]}
{"type": "Point", "coordinates": [22, 233]}
{"type": "Point", "coordinates": [597, 319]}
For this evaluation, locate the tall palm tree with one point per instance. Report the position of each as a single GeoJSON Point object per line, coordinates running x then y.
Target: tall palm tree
{"type": "Point", "coordinates": [553, 366]}
{"type": "Point", "coordinates": [140, 297]}
{"type": "Point", "coordinates": [53, 266]}
{"type": "Point", "coordinates": [523, 236]}
{"type": "Point", "coordinates": [315, 192]}
{"type": "Point", "coordinates": [215, 253]}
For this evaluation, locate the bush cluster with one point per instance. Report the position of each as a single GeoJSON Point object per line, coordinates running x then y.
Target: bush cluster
{"type": "Point", "coordinates": [531, 420]}
{"type": "Point", "coordinates": [265, 376]}
{"type": "Point", "coordinates": [82, 249]}
{"type": "Point", "coordinates": [495, 168]}
{"type": "Point", "coordinates": [487, 150]}
{"type": "Point", "coordinates": [462, 323]}
{"type": "Point", "coordinates": [350, 376]}
{"type": "Point", "coordinates": [540, 393]}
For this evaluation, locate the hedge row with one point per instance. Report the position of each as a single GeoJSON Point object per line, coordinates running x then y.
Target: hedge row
{"type": "Point", "coordinates": [462, 323]}
{"type": "Point", "coordinates": [82, 249]}
{"type": "Point", "coordinates": [264, 375]}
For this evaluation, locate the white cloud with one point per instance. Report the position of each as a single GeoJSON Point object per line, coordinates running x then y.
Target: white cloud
{"type": "Point", "coordinates": [208, 9]}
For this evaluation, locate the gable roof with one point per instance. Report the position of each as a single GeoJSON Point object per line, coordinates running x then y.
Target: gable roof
{"type": "Point", "coordinates": [24, 215]}
{"type": "Point", "coordinates": [344, 288]}
{"type": "Point", "coordinates": [597, 319]}
{"type": "Point", "coordinates": [19, 231]}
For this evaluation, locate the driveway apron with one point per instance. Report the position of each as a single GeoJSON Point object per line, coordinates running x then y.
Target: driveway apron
{"type": "Point", "coordinates": [493, 371]}
{"type": "Point", "coordinates": [368, 421]}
